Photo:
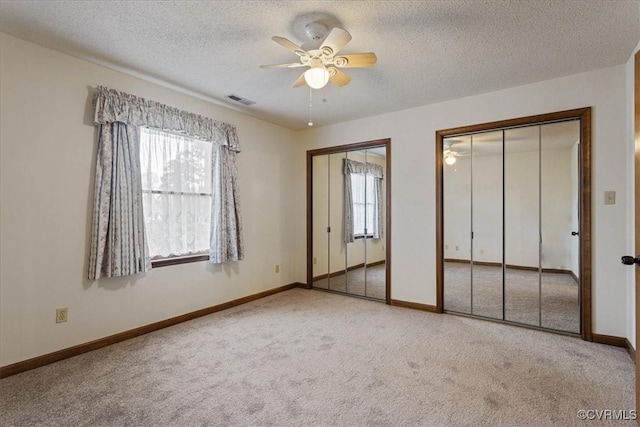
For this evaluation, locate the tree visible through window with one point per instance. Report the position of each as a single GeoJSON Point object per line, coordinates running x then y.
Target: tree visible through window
{"type": "Point", "coordinates": [177, 193]}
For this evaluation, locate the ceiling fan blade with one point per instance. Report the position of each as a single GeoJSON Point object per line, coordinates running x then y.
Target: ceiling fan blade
{"type": "Point", "coordinates": [335, 40]}
{"type": "Point", "coordinates": [290, 65]}
{"type": "Point", "coordinates": [338, 78]}
{"type": "Point", "coordinates": [300, 82]}
{"type": "Point", "coordinates": [356, 60]}
{"type": "Point", "coordinates": [289, 45]}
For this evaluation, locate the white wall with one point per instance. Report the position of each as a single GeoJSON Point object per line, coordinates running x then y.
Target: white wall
{"type": "Point", "coordinates": [412, 134]}
{"type": "Point", "coordinates": [630, 191]}
{"type": "Point", "coordinates": [456, 184]}
{"type": "Point", "coordinates": [522, 218]}
{"type": "Point", "coordinates": [487, 208]}
{"type": "Point", "coordinates": [557, 242]}
{"type": "Point", "coordinates": [47, 144]}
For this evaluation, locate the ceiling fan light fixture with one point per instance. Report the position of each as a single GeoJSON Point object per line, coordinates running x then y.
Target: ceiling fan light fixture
{"type": "Point", "coordinates": [326, 51]}
{"type": "Point", "coordinates": [341, 61]}
{"type": "Point", "coordinates": [450, 159]}
{"type": "Point", "coordinates": [316, 77]}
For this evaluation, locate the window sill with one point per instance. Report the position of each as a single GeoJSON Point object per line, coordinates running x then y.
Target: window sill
{"type": "Point", "coordinates": [362, 236]}
{"type": "Point", "coordinates": [164, 262]}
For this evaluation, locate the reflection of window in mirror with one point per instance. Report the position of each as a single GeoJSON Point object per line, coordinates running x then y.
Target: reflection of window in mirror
{"type": "Point", "coordinates": [364, 206]}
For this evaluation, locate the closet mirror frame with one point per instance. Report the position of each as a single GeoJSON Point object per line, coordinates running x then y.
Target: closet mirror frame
{"type": "Point", "coordinates": [584, 169]}
{"type": "Point", "coordinates": [386, 143]}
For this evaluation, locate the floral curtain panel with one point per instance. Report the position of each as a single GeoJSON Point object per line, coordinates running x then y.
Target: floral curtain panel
{"type": "Point", "coordinates": [226, 225]}
{"type": "Point", "coordinates": [118, 246]}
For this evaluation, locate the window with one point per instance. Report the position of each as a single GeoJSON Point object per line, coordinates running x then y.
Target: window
{"type": "Point", "coordinates": [177, 193]}
{"type": "Point", "coordinates": [364, 205]}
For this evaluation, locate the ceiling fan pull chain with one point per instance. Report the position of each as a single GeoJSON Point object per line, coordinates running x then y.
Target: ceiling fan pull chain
{"type": "Point", "coordinates": [310, 105]}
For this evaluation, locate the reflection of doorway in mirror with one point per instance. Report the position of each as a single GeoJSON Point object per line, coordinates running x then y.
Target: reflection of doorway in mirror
{"type": "Point", "coordinates": [560, 246]}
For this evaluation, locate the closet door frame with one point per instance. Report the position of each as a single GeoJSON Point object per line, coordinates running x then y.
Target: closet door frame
{"type": "Point", "coordinates": [387, 208]}
{"type": "Point", "coordinates": [584, 115]}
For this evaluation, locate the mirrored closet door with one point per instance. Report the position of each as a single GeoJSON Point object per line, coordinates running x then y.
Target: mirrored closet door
{"type": "Point", "coordinates": [511, 219]}
{"type": "Point", "coordinates": [348, 226]}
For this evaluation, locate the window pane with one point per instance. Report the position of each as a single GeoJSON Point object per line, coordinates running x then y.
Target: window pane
{"type": "Point", "coordinates": [177, 224]}
{"type": "Point", "coordinates": [364, 204]}
{"type": "Point", "coordinates": [176, 184]}
{"type": "Point", "coordinates": [174, 163]}
{"type": "Point", "coordinates": [357, 186]}
{"type": "Point", "coordinates": [371, 204]}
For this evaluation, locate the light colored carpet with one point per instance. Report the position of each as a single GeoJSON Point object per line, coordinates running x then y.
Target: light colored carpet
{"type": "Point", "coordinates": [559, 306]}
{"type": "Point", "coordinates": [368, 282]}
{"type": "Point", "coordinates": [313, 358]}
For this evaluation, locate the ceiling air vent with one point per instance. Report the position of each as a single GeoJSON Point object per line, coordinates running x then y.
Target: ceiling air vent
{"type": "Point", "coordinates": [240, 99]}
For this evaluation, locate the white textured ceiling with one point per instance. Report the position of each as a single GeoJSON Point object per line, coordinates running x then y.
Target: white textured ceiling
{"type": "Point", "coordinates": [428, 51]}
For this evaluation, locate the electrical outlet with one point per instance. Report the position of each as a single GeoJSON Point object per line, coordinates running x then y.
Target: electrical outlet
{"type": "Point", "coordinates": [315, 260]}
{"type": "Point", "coordinates": [62, 315]}
{"type": "Point", "coordinates": [446, 246]}
{"type": "Point", "coordinates": [277, 268]}
{"type": "Point", "coordinates": [457, 248]}
{"type": "Point", "coordinates": [481, 251]}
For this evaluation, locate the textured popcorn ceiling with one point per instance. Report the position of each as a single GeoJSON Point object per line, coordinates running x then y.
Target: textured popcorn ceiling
{"type": "Point", "coordinates": [428, 51]}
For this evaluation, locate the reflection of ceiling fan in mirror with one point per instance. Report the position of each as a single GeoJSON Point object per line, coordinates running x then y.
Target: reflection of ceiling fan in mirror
{"type": "Point", "coordinates": [322, 58]}
{"type": "Point", "coordinates": [450, 153]}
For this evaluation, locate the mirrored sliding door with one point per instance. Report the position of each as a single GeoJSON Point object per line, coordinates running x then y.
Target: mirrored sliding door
{"type": "Point", "coordinates": [457, 223]}
{"type": "Point", "coordinates": [511, 208]}
{"type": "Point", "coordinates": [348, 225]}
{"type": "Point", "coordinates": [559, 226]}
{"type": "Point", "coordinates": [486, 224]}
{"type": "Point", "coordinates": [522, 225]}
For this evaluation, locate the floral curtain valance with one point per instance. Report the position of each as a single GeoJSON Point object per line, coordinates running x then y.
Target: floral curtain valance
{"type": "Point", "coordinates": [352, 166]}
{"type": "Point", "coordinates": [113, 106]}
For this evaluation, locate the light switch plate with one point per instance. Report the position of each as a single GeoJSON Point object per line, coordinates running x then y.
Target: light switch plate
{"type": "Point", "coordinates": [609, 197]}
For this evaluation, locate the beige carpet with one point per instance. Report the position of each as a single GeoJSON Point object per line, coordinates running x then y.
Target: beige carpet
{"type": "Point", "coordinates": [558, 307]}
{"type": "Point", "coordinates": [313, 358]}
{"type": "Point", "coordinates": [369, 282]}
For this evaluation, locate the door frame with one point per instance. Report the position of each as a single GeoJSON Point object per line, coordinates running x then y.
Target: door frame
{"type": "Point", "coordinates": [637, 211]}
{"type": "Point", "coordinates": [584, 166]}
{"type": "Point", "coordinates": [386, 142]}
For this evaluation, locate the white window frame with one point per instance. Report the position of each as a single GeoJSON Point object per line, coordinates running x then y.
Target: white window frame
{"type": "Point", "coordinates": [159, 260]}
{"type": "Point", "coordinates": [366, 227]}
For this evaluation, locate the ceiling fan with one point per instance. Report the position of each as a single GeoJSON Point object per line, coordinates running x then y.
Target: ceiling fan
{"type": "Point", "coordinates": [450, 155]}
{"type": "Point", "coordinates": [322, 59]}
